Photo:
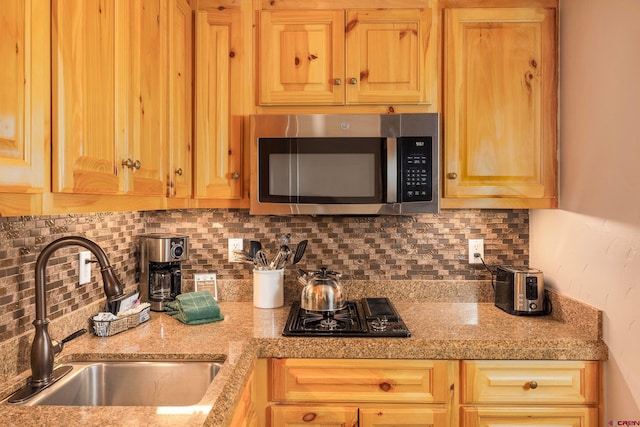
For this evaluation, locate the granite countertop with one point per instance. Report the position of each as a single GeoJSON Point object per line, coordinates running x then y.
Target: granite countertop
{"type": "Point", "coordinates": [440, 330]}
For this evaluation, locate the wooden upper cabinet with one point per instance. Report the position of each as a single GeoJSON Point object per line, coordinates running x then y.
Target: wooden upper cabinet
{"type": "Point", "coordinates": [218, 104]}
{"type": "Point", "coordinates": [388, 56]}
{"type": "Point", "coordinates": [301, 57]}
{"type": "Point", "coordinates": [148, 97]}
{"type": "Point", "coordinates": [24, 96]}
{"type": "Point", "coordinates": [337, 57]}
{"type": "Point", "coordinates": [110, 86]}
{"type": "Point", "coordinates": [88, 135]}
{"type": "Point", "coordinates": [500, 96]}
{"type": "Point", "coordinates": [180, 168]}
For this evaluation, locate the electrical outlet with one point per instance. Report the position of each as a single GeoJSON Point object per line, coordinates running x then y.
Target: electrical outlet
{"type": "Point", "coordinates": [84, 267]}
{"type": "Point", "coordinates": [476, 246]}
{"type": "Point", "coordinates": [234, 245]}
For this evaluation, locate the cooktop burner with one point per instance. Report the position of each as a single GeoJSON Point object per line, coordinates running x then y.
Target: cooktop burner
{"type": "Point", "coordinates": [368, 317]}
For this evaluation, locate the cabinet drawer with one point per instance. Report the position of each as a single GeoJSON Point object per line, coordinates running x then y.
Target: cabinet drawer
{"type": "Point", "coordinates": [324, 380]}
{"type": "Point", "coordinates": [529, 382]}
{"type": "Point", "coordinates": [534, 416]}
{"type": "Point", "coordinates": [403, 415]}
{"type": "Point", "coordinates": [325, 416]}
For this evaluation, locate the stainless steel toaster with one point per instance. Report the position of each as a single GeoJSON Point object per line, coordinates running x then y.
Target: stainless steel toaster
{"type": "Point", "coordinates": [520, 291]}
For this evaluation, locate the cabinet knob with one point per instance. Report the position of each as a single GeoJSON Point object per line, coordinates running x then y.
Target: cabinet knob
{"type": "Point", "coordinates": [179, 171]}
{"type": "Point", "coordinates": [337, 82]}
{"type": "Point", "coordinates": [353, 81]}
{"type": "Point", "coordinates": [532, 385]}
{"type": "Point", "coordinates": [235, 175]}
{"type": "Point", "coordinates": [137, 164]}
{"type": "Point", "coordinates": [452, 175]}
{"type": "Point", "coordinates": [128, 163]}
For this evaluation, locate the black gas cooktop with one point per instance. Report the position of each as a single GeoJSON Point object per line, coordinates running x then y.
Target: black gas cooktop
{"type": "Point", "coordinates": [368, 317]}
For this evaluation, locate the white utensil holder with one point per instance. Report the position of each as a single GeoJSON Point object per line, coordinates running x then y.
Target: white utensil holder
{"type": "Point", "coordinates": [268, 288]}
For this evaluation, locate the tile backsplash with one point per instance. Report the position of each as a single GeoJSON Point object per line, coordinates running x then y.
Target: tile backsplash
{"type": "Point", "coordinates": [423, 247]}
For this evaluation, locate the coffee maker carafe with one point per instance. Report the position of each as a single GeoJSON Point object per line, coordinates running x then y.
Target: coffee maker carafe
{"type": "Point", "coordinates": [160, 273]}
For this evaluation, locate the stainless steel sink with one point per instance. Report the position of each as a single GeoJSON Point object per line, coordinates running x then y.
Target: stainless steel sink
{"type": "Point", "coordinates": [131, 383]}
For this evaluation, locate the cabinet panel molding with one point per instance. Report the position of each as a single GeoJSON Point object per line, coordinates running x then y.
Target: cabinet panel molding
{"type": "Point", "coordinates": [551, 382]}
{"type": "Point", "coordinates": [147, 86]}
{"type": "Point", "coordinates": [532, 416]}
{"type": "Point", "coordinates": [88, 134]}
{"type": "Point", "coordinates": [218, 104]}
{"type": "Point", "coordinates": [500, 96]}
{"type": "Point", "coordinates": [301, 57]}
{"type": "Point", "coordinates": [405, 381]}
{"type": "Point", "coordinates": [25, 96]}
{"type": "Point", "coordinates": [389, 56]}
{"type": "Point", "coordinates": [180, 165]}
{"type": "Point", "coordinates": [403, 415]}
{"type": "Point", "coordinates": [325, 416]}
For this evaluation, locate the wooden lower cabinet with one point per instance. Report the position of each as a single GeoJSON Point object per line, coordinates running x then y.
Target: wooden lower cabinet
{"type": "Point", "coordinates": [359, 392]}
{"type": "Point", "coordinates": [404, 416]}
{"type": "Point", "coordinates": [434, 393]}
{"type": "Point", "coordinates": [245, 413]}
{"type": "Point", "coordinates": [532, 393]}
{"type": "Point", "coordinates": [314, 415]}
{"type": "Point", "coordinates": [535, 416]}
{"type": "Point", "coordinates": [351, 416]}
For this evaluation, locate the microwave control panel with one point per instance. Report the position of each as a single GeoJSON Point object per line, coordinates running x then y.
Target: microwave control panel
{"type": "Point", "coordinates": [415, 163]}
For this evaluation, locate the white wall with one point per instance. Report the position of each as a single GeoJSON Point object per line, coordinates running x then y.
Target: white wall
{"type": "Point", "coordinates": [590, 248]}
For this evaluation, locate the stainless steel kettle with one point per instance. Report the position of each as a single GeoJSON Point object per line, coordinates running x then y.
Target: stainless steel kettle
{"type": "Point", "coordinates": [322, 290]}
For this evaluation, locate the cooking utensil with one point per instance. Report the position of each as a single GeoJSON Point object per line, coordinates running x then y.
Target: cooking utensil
{"type": "Point", "coordinates": [323, 292]}
{"type": "Point", "coordinates": [254, 246]}
{"type": "Point", "coordinates": [261, 261]}
{"type": "Point", "coordinates": [281, 258]}
{"type": "Point", "coordinates": [243, 255]}
{"type": "Point", "coordinates": [297, 256]}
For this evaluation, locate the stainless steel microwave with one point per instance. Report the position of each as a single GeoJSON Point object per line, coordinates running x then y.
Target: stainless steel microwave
{"type": "Point", "coordinates": [344, 164]}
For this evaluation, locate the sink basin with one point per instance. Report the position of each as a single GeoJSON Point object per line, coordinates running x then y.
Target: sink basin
{"type": "Point", "coordinates": [131, 383]}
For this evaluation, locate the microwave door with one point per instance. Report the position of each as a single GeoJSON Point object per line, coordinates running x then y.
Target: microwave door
{"type": "Point", "coordinates": [339, 171]}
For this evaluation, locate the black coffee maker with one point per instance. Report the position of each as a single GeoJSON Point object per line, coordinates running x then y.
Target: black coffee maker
{"type": "Point", "coordinates": [160, 273]}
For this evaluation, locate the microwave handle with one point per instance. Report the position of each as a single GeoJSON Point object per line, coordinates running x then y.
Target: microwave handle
{"type": "Point", "coordinates": [392, 170]}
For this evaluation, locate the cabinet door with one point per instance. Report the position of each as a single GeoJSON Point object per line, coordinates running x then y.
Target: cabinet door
{"type": "Point", "coordinates": [328, 380]}
{"type": "Point", "coordinates": [245, 413]}
{"type": "Point", "coordinates": [301, 57]}
{"type": "Point", "coordinates": [180, 170]}
{"type": "Point", "coordinates": [148, 96]}
{"type": "Point", "coordinates": [88, 135]}
{"type": "Point", "coordinates": [389, 57]}
{"type": "Point", "coordinates": [24, 95]}
{"type": "Point", "coordinates": [540, 382]}
{"type": "Point", "coordinates": [534, 416]}
{"type": "Point", "coordinates": [400, 416]}
{"type": "Point", "coordinates": [218, 96]}
{"type": "Point", "coordinates": [303, 415]}
{"type": "Point", "coordinates": [500, 103]}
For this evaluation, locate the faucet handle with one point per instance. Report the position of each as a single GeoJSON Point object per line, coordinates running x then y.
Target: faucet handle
{"type": "Point", "coordinates": [59, 345]}
{"type": "Point", "coordinates": [74, 335]}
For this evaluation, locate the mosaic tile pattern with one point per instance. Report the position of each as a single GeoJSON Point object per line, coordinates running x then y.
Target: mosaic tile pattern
{"type": "Point", "coordinates": [22, 239]}
{"type": "Point", "coordinates": [419, 248]}
{"type": "Point", "coordinates": [423, 247]}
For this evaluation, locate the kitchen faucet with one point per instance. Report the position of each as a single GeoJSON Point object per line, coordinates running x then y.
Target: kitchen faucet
{"type": "Point", "coordinates": [42, 349]}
